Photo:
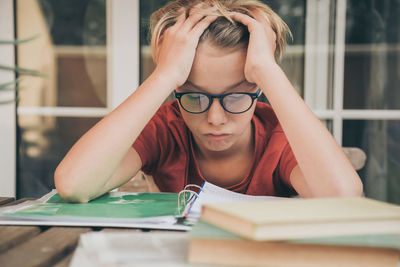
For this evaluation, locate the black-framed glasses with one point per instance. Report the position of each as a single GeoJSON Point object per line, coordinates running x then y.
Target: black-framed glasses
{"type": "Point", "coordinates": [199, 102]}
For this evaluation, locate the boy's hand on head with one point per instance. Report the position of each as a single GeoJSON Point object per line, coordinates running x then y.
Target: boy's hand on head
{"type": "Point", "coordinates": [178, 44]}
{"type": "Point", "coordinates": [262, 44]}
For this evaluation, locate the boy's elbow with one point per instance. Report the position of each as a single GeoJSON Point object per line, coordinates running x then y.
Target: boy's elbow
{"type": "Point", "coordinates": [359, 189]}
{"type": "Point", "coordinates": [66, 189]}
{"type": "Point", "coordinates": [354, 188]}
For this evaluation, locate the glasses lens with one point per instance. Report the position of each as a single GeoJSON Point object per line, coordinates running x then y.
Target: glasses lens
{"type": "Point", "coordinates": [195, 102]}
{"type": "Point", "coordinates": [237, 102]}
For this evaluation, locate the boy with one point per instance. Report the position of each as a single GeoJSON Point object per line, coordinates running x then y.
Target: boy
{"type": "Point", "coordinates": [217, 56]}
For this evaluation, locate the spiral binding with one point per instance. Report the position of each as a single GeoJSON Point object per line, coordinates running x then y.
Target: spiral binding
{"type": "Point", "coordinates": [187, 203]}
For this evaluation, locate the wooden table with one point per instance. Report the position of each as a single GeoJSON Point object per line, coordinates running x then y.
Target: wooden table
{"type": "Point", "coordinates": [27, 246]}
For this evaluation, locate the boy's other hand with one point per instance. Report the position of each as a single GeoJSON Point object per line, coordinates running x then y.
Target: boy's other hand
{"type": "Point", "coordinates": [262, 45]}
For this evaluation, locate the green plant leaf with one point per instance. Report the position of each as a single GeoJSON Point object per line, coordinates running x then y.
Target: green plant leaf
{"type": "Point", "coordinates": [13, 85]}
{"type": "Point", "coordinates": [6, 86]}
{"type": "Point", "coordinates": [9, 89]}
{"type": "Point", "coordinates": [15, 88]}
{"type": "Point", "coordinates": [19, 41]}
{"type": "Point", "coordinates": [23, 71]}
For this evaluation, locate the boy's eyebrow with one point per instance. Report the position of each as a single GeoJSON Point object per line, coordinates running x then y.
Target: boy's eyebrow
{"type": "Point", "coordinates": [229, 88]}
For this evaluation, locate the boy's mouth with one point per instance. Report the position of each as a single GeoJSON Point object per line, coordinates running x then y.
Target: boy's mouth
{"type": "Point", "coordinates": [217, 136]}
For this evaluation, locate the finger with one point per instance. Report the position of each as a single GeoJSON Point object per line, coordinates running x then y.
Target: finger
{"type": "Point", "coordinates": [254, 25]}
{"type": "Point", "coordinates": [197, 13]}
{"type": "Point", "coordinates": [201, 26]}
{"type": "Point", "coordinates": [259, 16]}
{"type": "Point", "coordinates": [264, 20]}
{"type": "Point", "coordinates": [180, 20]}
{"type": "Point", "coordinates": [244, 19]}
{"type": "Point", "coordinates": [191, 21]}
{"type": "Point", "coordinates": [251, 23]}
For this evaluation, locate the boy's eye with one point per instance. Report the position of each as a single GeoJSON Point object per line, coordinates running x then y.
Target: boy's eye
{"type": "Point", "coordinates": [193, 97]}
{"type": "Point", "coordinates": [236, 96]}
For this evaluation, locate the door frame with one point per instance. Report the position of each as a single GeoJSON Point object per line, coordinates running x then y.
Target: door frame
{"type": "Point", "coordinates": [7, 111]}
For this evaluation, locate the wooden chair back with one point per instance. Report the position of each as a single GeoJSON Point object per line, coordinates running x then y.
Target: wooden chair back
{"type": "Point", "coordinates": [356, 156]}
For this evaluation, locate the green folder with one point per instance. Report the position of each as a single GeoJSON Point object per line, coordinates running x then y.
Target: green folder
{"type": "Point", "coordinates": [116, 209]}
{"type": "Point", "coordinates": [140, 205]}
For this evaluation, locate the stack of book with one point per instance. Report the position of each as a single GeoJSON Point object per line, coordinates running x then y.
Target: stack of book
{"type": "Point", "coordinates": [298, 232]}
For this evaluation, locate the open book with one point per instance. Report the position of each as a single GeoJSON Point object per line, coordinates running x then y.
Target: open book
{"type": "Point", "coordinates": [210, 193]}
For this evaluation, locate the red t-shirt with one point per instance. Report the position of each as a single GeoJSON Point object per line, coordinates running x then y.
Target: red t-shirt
{"type": "Point", "coordinates": [166, 150]}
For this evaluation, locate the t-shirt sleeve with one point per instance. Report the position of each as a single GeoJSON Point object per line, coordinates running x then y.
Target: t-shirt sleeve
{"type": "Point", "coordinates": [147, 145]}
{"type": "Point", "coordinates": [286, 164]}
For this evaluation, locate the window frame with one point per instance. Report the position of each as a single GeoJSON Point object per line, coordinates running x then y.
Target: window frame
{"type": "Point", "coordinates": [122, 79]}
{"type": "Point", "coordinates": [313, 92]}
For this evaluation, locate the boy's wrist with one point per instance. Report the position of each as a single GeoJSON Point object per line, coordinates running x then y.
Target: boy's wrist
{"type": "Point", "coordinates": [165, 80]}
{"type": "Point", "coordinates": [266, 70]}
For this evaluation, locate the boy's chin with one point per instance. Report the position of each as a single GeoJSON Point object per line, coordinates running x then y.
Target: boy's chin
{"type": "Point", "coordinates": [218, 146]}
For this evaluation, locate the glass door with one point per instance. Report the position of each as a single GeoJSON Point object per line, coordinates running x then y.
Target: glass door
{"type": "Point", "coordinates": [352, 80]}
{"type": "Point", "coordinates": [371, 95]}
{"type": "Point", "coordinates": [87, 51]}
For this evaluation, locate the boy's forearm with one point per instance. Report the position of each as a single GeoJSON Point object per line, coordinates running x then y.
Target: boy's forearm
{"type": "Point", "coordinates": [91, 162]}
{"type": "Point", "coordinates": [323, 163]}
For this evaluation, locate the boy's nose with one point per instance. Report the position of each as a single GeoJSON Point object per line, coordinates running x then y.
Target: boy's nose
{"type": "Point", "coordinates": [216, 115]}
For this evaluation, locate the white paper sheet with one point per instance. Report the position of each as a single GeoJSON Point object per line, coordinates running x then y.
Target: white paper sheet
{"type": "Point", "coordinates": [125, 249]}
{"type": "Point", "coordinates": [214, 194]}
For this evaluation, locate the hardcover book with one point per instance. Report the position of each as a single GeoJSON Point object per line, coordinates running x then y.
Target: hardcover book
{"type": "Point", "coordinates": [304, 218]}
{"type": "Point", "coordinates": [212, 245]}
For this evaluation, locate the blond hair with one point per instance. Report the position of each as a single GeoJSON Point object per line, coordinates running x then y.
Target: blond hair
{"type": "Point", "coordinates": [223, 32]}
